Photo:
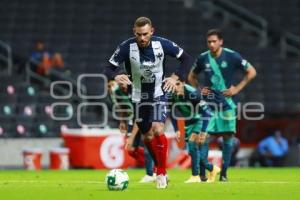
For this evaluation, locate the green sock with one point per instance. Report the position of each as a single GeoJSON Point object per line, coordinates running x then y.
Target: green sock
{"type": "Point", "coordinates": [203, 152]}
{"type": "Point", "coordinates": [193, 151]}
{"type": "Point", "coordinates": [226, 155]}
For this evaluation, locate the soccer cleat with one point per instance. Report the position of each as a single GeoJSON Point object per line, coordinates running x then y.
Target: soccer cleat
{"type": "Point", "coordinates": [193, 179]}
{"type": "Point", "coordinates": [223, 179]}
{"type": "Point", "coordinates": [212, 175]}
{"type": "Point", "coordinates": [203, 178]}
{"type": "Point", "coordinates": [148, 179]}
{"type": "Point", "coordinates": [161, 182]}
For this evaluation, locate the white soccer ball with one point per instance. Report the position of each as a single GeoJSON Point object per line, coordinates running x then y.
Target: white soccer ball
{"type": "Point", "coordinates": [117, 179]}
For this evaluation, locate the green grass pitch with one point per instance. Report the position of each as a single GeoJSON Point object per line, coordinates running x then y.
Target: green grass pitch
{"type": "Point", "coordinates": [250, 184]}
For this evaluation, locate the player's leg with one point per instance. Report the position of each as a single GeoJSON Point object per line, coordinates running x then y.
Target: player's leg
{"type": "Point", "coordinates": [133, 142]}
{"type": "Point", "coordinates": [202, 172]}
{"type": "Point", "coordinates": [154, 116]}
{"type": "Point", "coordinates": [193, 152]}
{"type": "Point", "coordinates": [157, 145]}
{"type": "Point", "coordinates": [226, 126]}
{"type": "Point", "coordinates": [142, 115]}
{"type": "Point", "coordinates": [160, 146]}
{"type": "Point", "coordinates": [213, 169]}
{"type": "Point", "coordinates": [149, 165]}
{"type": "Point", "coordinates": [204, 149]}
{"type": "Point", "coordinates": [161, 149]}
{"type": "Point", "coordinates": [226, 155]}
{"type": "Point", "coordinates": [137, 151]}
{"type": "Point", "coordinates": [191, 131]}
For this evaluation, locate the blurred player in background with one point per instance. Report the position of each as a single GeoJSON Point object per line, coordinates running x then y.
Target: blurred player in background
{"type": "Point", "coordinates": [219, 66]}
{"type": "Point", "coordinates": [144, 57]}
{"type": "Point", "coordinates": [189, 102]}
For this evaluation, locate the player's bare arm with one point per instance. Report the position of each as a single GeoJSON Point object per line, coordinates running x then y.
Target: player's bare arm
{"type": "Point", "coordinates": [192, 79]}
{"type": "Point", "coordinates": [233, 90]}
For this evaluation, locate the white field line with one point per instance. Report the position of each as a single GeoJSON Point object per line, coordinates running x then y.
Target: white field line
{"type": "Point", "coordinates": [136, 182]}
{"type": "Point", "coordinates": [54, 181]}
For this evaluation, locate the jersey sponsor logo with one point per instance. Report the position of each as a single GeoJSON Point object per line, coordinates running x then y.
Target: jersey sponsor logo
{"type": "Point", "coordinates": [148, 77]}
{"type": "Point", "coordinates": [224, 64]}
{"type": "Point", "coordinates": [148, 69]}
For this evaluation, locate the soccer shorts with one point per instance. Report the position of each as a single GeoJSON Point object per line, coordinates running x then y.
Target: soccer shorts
{"type": "Point", "coordinates": [151, 111]}
{"type": "Point", "coordinates": [192, 127]}
{"type": "Point", "coordinates": [222, 122]}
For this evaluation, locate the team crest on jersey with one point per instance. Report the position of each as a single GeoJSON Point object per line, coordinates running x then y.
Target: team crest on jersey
{"type": "Point", "coordinates": [159, 56]}
{"type": "Point", "coordinates": [216, 80]}
{"type": "Point", "coordinates": [224, 64]}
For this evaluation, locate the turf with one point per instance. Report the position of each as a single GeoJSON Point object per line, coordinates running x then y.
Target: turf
{"type": "Point", "coordinates": [281, 183]}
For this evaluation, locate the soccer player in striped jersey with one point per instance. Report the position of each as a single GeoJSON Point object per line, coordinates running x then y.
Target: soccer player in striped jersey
{"type": "Point", "coordinates": [144, 57]}
{"type": "Point", "coordinates": [219, 66]}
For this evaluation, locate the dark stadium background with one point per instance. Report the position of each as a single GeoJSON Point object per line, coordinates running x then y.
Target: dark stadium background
{"type": "Point", "coordinates": [86, 32]}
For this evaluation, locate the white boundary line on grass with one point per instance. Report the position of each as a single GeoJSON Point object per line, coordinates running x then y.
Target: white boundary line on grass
{"type": "Point", "coordinates": [49, 181]}
{"type": "Point", "coordinates": [132, 182]}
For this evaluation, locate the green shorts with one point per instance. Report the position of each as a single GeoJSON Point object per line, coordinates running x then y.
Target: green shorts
{"type": "Point", "coordinates": [194, 127]}
{"type": "Point", "coordinates": [223, 122]}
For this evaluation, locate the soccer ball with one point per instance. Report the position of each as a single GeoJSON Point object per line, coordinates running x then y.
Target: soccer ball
{"type": "Point", "coordinates": [117, 179]}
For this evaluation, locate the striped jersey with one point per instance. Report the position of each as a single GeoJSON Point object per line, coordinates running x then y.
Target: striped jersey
{"type": "Point", "coordinates": [146, 66]}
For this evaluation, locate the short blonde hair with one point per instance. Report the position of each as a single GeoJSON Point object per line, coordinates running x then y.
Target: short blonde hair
{"type": "Point", "coordinates": [142, 21]}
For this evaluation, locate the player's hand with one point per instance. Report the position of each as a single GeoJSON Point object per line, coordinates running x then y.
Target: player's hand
{"type": "Point", "coordinates": [170, 84]}
{"type": "Point", "coordinates": [205, 91]}
{"type": "Point", "coordinates": [201, 138]}
{"type": "Point", "coordinates": [123, 79]}
{"type": "Point", "coordinates": [230, 91]}
{"type": "Point", "coordinates": [123, 127]}
{"type": "Point", "coordinates": [178, 134]}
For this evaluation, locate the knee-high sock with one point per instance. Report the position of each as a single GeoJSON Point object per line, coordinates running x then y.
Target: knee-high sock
{"type": "Point", "coordinates": [161, 151]}
{"type": "Point", "coordinates": [149, 164]}
{"type": "Point", "coordinates": [158, 147]}
{"type": "Point", "coordinates": [203, 152]}
{"type": "Point", "coordinates": [202, 169]}
{"type": "Point", "coordinates": [226, 155]}
{"type": "Point", "coordinates": [138, 155]}
{"type": "Point", "coordinates": [193, 151]}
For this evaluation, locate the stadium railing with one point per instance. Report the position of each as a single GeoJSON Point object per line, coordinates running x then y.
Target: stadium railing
{"type": "Point", "coordinates": [6, 57]}
{"type": "Point", "coordinates": [237, 13]}
{"type": "Point", "coordinates": [31, 75]}
{"type": "Point", "coordinates": [289, 43]}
